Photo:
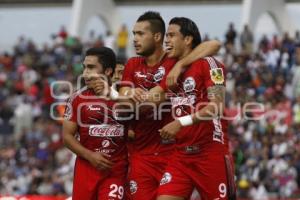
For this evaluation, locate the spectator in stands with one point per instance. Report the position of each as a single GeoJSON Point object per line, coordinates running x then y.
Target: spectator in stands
{"type": "Point", "coordinates": [62, 33]}
{"type": "Point", "coordinates": [22, 118]}
{"type": "Point", "coordinates": [296, 74]}
{"type": "Point", "coordinates": [231, 35]}
{"type": "Point", "coordinates": [266, 152]}
{"type": "Point", "coordinates": [246, 40]}
{"type": "Point", "coordinates": [122, 42]}
{"type": "Point", "coordinates": [297, 37]}
{"type": "Point", "coordinates": [110, 40]}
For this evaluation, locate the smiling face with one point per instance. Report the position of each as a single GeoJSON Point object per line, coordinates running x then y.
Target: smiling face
{"type": "Point", "coordinates": [91, 69]}
{"type": "Point", "coordinates": [175, 43]}
{"type": "Point", "coordinates": [144, 42]}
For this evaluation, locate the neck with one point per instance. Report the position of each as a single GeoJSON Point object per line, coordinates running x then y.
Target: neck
{"type": "Point", "coordinates": [185, 53]}
{"type": "Point", "coordinates": [155, 58]}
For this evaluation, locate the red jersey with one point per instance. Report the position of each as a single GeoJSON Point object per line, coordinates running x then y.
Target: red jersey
{"type": "Point", "coordinates": [191, 95]}
{"type": "Point", "coordinates": [147, 139]}
{"type": "Point", "coordinates": [98, 129]}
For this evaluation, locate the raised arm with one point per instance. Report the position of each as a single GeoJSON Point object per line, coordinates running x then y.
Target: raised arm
{"type": "Point", "coordinates": [204, 49]}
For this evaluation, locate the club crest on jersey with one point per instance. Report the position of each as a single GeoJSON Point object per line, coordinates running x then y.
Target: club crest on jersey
{"type": "Point", "coordinates": [217, 75]}
{"type": "Point", "coordinates": [167, 177]}
{"type": "Point", "coordinates": [189, 84]}
{"type": "Point", "coordinates": [133, 187]}
{"type": "Point", "coordinates": [159, 74]}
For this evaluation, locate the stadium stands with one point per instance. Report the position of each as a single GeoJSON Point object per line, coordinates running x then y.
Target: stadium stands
{"type": "Point", "coordinates": [267, 151]}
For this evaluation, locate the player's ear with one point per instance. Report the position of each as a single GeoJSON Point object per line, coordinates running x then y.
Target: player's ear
{"type": "Point", "coordinates": [157, 36]}
{"type": "Point", "coordinates": [108, 71]}
{"type": "Point", "coordinates": [188, 40]}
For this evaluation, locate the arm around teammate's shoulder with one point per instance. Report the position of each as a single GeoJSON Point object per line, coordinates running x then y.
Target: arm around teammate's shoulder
{"type": "Point", "coordinates": [207, 48]}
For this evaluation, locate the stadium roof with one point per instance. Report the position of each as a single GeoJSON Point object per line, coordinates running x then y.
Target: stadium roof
{"type": "Point", "coordinates": [11, 2]}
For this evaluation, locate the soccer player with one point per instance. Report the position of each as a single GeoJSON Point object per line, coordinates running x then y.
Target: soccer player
{"type": "Point", "coordinates": [148, 151]}
{"type": "Point", "coordinates": [101, 163]}
{"type": "Point", "coordinates": [118, 73]}
{"type": "Point", "coordinates": [201, 157]}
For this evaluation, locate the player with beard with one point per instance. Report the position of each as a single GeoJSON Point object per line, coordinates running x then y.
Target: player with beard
{"type": "Point", "coordinates": [101, 163]}
{"type": "Point", "coordinates": [148, 151]}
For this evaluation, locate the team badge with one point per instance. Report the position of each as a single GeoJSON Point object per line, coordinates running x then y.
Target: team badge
{"type": "Point", "coordinates": [189, 84]}
{"type": "Point", "coordinates": [167, 177]}
{"type": "Point", "coordinates": [158, 76]}
{"type": "Point", "coordinates": [133, 186]}
{"type": "Point", "coordinates": [217, 75]}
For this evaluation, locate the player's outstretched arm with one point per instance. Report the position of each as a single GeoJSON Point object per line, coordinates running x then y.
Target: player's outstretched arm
{"type": "Point", "coordinates": [97, 159]}
{"type": "Point", "coordinates": [204, 49]}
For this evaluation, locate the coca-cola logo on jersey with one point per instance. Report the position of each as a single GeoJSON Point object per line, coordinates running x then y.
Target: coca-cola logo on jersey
{"type": "Point", "coordinates": [106, 130]}
{"type": "Point", "coordinates": [159, 74]}
{"type": "Point", "coordinates": [180, 101]}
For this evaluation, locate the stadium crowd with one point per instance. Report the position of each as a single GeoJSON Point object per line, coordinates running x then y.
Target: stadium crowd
{"type": "Point", "coordinates": [33, 159]}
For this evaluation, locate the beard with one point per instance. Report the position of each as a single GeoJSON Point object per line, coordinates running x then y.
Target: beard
{"type": "Point", "coordinates": [148, 51]}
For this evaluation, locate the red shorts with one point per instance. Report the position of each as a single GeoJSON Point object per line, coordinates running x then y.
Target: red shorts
{"type": "Point", "coordinates": [145, 172]}
{"type": "Point", "coordinates": [211, 174]}
{"type": "Point", "coordinates": [92, 184]}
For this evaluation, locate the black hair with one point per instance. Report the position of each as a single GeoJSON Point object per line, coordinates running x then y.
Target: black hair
{"type": "Point", "coordinates": [187, 28]}
{"type": "Point", "coordinates": [105, 55]}
{"type": "Point", "coordinates": [121, 61]}
{"type": "Point", "coordinates": [156, 22]}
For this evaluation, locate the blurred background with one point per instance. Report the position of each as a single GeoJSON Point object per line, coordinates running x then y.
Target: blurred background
{"type": "Point", "coordinates": [42, 42]}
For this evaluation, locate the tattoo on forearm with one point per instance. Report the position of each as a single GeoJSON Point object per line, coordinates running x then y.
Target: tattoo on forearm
{"type": "Point", "coordinates": [216, 93]}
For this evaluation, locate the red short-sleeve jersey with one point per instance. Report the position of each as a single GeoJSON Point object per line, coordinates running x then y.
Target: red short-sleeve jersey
{"type": "Point", "coordinates": [97, 125]}
{"type": "Point", "coordinates": [191, 95]}
{"type": "Point", "coordinates": [147, 139]}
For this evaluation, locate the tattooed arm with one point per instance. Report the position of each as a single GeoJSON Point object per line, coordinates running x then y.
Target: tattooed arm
{"type": "Point", "coordinates": [215, 106]}
{"type": "Point", "coordinates": [213, 109]}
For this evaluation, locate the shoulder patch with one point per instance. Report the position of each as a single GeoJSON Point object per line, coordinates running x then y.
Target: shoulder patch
{"type": "Point", "coordinates": [158, 76]}
{"type": "Point", "coordinates": [217, 75]}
